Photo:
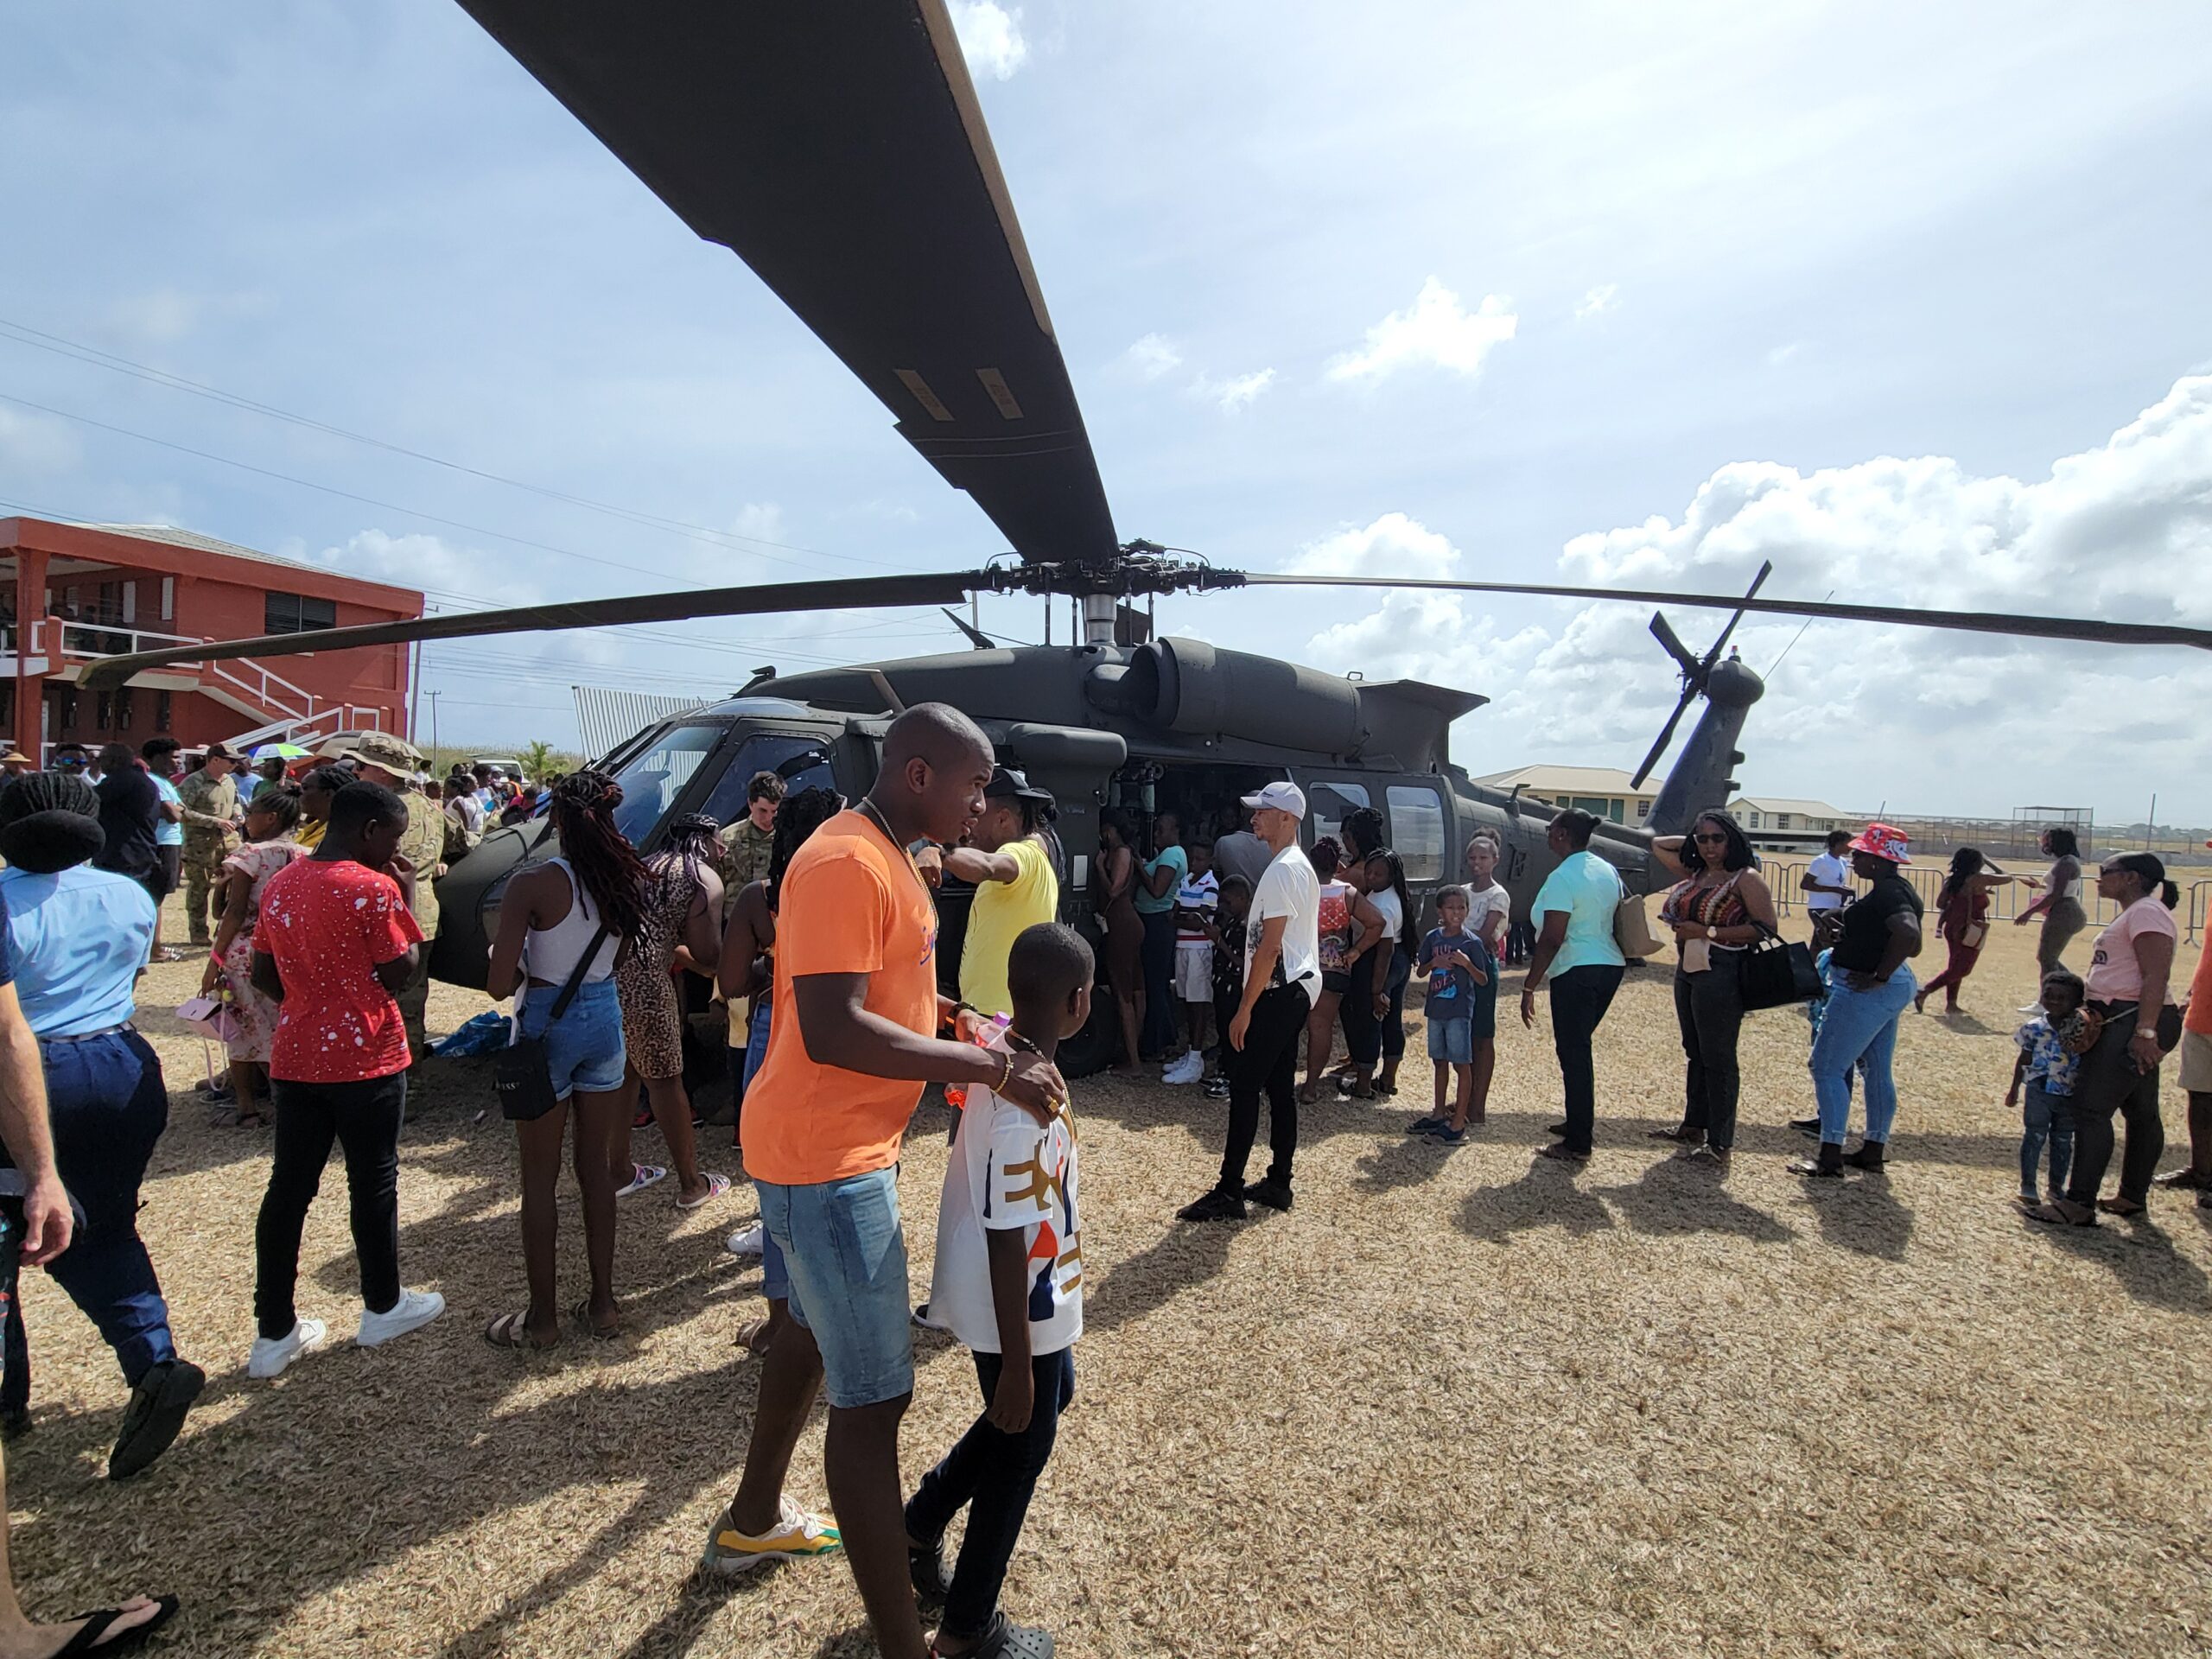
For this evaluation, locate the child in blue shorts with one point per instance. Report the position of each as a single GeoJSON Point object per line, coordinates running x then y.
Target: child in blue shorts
{"type": "Point", "coordinates": [1461, 1010]}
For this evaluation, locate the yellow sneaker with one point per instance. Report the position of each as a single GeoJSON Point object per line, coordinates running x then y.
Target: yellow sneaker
{"type": "Point", "coordinates": [797, 1536]}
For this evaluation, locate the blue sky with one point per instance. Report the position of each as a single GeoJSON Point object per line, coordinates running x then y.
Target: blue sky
{"type": "Point", "coordinates": [1911, 300]}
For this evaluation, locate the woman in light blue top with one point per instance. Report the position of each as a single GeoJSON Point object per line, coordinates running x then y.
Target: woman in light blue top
{"type": "Point", "coordinates": [78, 937]}
{"type": "Point", "coordinates": [1577, 955]}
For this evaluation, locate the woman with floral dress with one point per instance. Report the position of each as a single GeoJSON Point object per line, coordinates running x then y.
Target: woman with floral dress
{"type": "Point", "coordinates": [271, 819]}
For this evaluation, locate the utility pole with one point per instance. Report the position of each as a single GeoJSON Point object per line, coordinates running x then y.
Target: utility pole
{"type": "Point", "coordinates": [434, 721]}
{"type": "Point", "coordinates": [2150, 823]}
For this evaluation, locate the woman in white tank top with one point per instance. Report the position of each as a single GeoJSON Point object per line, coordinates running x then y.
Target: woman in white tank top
{"type": "Point", "coordinates": [581, 908]}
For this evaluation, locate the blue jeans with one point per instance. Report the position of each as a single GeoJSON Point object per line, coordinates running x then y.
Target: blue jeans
{"type": "Point", "coordinates": [109, 1107]}
{"type": "Point", "coordinates": [846, 1253]}
{"type": "Point", "coordinates": [775, 1277]}
{"type": "Point", "coordinates": [1859, 1028]}
{"type": "Point", "coordinates": [2048, 1117]}
{"type": "Point", "coordinates": [993, 1473]}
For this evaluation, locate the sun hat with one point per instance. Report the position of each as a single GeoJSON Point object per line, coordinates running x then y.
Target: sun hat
{"type": "Point", "coordinates": [1282, 797]}
{"type": "Point", "coordinates": [384, 751]}
{"type": "Point", "coordinates": [1883, 841]}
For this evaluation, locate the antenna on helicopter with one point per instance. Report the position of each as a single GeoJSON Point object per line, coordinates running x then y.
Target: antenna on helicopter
{"type": "Point", "coordinates": [1696, 670]}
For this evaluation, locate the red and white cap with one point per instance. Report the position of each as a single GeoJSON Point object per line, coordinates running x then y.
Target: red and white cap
{"type": "Point", "coordinates": [1884, 840]}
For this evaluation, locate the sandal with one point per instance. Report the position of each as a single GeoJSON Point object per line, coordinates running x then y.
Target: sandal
{"type": "Point", "coordinates": [2061, 1213]}
{"type": "Point", "coordinates": [232, 1117]}
{"type": "Point", "coordinates": [754, 1335]}
{"type": "Point", "coordinates": [641, 1176]}
{"type": "Point", "coordinates": [510, 1331]}
{"type": "Point", "coordinates": [717, 1185]}
{"type": "Point", "coordinates": [2117, 1206]}
{"type": "Point", "coordinates": [1681, 1132]}
{"type": "Point", "coordinates": [97, 1624]}
{"type": "Point", "coordinates": [581, 1314]}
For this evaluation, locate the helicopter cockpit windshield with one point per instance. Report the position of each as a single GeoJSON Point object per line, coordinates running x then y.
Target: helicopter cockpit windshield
{"type": "Point", "coordinates": [662, 773]}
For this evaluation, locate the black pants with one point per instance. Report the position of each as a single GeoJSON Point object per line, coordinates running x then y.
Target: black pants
{"type": "Point", "coordinates": [2109, 1083]}
{"type": "Point", "coordinates": [364, 1119]}
{"type": "Point", "coordinates": [1580, 998]}
{"type": "Point", "coordinates": [1158, 959]}
{"type": "Point", "coordinates": [993, 1473]}
{"type": "Point", "coordinates": [1709, 1008]}
{"type": "Point", "coordinates": [1269, 1062]}
{"type": "Point", "coordinates": [1369, 1036]}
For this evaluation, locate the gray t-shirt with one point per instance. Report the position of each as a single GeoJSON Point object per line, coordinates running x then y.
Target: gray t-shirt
{"type": "Point", "coordinates": [1241, 853]}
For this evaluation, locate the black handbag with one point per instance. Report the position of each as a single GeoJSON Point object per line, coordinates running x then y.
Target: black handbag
{"type": "Point", "coordinates": [1776, 972]}
{"type": "Point", "coordinates": [522, 1076]}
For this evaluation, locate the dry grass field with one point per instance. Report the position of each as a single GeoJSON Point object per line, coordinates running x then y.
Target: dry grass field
{"type": "Point", "coordinates": [1454, 1403]}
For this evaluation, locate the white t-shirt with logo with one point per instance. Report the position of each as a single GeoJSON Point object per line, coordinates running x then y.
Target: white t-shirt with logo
{"type": "Point", "coordinates": [1830, 872]}
{"type": "Point", "coordinates": [1008, 1171]}
{"type": "Point", "coordinates": [1481, 906]}
{"type": "Point", "coordinates": [1288, 888]}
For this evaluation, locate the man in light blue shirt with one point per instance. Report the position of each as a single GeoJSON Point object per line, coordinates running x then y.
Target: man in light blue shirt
{"type": "Point", "coordinates": [159, 754]}
{"type": "Point", "coordinates": [1577, 955]}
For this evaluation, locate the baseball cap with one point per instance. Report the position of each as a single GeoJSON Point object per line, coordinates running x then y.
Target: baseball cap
{"type": "Point", "coordinates": [221, 752]}
{"type": "Point", "coordinates": [1282, 797]}
{"type": "Point", "coordinates": [1883, 841]}
{"type": "Point", "coordinates": [1009, 781]}
{"type": "Point", "coordinates": [383, 750]}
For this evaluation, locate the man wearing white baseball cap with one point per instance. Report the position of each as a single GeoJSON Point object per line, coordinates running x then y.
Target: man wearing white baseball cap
{"type": "Point", "coordinates": [1283, 971]}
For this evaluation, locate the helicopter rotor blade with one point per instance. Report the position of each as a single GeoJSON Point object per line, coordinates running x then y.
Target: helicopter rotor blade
{"type": "Point", "coordinates": [1663, 632]}
{"type": "Point", "coordinates": [1666, 736]}
{"type": "Point", "coordinates": [767, 599]}
{"type": "Point", "coordinates": [1996, 622]}
{"type": "Point", "coordinates": [1767, 569]}
{"type": "Point", "coordinates": [838, 148]}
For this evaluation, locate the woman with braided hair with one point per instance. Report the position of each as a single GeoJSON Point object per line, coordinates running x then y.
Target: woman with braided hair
{"type": "Point", "coordinates": [570, 916]}
{"type": "Point", "coordinates": [681, 932]}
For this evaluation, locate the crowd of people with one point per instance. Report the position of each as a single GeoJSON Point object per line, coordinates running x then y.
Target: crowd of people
{"type": "Point", "coordinates": [1235, 961]}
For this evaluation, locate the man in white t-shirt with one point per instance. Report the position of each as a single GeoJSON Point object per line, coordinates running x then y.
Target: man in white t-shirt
{"type": "Point", "coordinates": [1826, 882]}
{"type": "Point", "coordinates": [1282, 973]}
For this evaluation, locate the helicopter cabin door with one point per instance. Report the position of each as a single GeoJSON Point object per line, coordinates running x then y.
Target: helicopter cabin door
{"type": "Point", "coordinates": [1416, 819]}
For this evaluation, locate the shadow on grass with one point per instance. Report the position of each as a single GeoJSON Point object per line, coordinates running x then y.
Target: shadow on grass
{"type": "Point", "coordinates": [1860, 1213]}
{"type": "Point", "coordinates": [1547, 1196]}
{"type": "Point", "coordinates": [1675, 1197]}
{"type": "Point", "coordinates": [2142, 1258]}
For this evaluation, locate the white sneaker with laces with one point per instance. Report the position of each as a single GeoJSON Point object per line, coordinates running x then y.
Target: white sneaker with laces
{"type": "Point", "coordinates": [414, 1309]}
{"type": "Point", "coordinates": [272, 1355]}
{"type": "Point", "coordinates": [748, 1241]}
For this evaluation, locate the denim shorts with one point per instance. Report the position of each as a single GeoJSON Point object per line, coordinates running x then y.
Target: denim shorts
{"type": "Point", "coordinates": [1451, 1041]}
{"type": "Point", "coordinates": [583, 1048]}
{"type": "Point", "coordinates": [846, 1255]}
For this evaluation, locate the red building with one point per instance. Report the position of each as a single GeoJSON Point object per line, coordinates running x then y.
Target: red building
{"type": "Point", "coordinates": [71, 592]}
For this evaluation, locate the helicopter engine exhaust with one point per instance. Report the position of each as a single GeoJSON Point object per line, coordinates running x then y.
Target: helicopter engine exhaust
{"type": "Point", "coordinates": [1201, 690]}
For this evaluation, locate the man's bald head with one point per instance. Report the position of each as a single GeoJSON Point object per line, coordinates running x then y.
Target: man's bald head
{"type": "Point", "coordinates": [936, 761]}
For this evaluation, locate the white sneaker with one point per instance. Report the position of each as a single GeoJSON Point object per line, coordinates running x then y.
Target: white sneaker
{"type": "Point", "coordinates": [1189, 1069]}
{"type": "Point", "coordinates": [414, 1310]}
{"type": "Point", "coordinates": [748, 1241]}
{"type": "Point", "coordinates": [272, 1355]}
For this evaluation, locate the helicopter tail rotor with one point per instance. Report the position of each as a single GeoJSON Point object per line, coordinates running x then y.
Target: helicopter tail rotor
{"type": "Point", "coordinates": [1697, 672]}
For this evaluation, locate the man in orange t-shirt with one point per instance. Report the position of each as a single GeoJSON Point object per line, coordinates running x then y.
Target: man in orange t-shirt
{"type": "Point", "coordinates": [853, 1037]}
{"type": "Point", "coordinates": [2197, 1080]}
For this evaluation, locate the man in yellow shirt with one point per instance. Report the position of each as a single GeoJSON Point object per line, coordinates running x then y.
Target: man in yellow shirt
{"type": "Point", "coordinates": [1016, 887]}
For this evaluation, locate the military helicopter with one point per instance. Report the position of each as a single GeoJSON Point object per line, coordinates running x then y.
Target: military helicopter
{"type": "Point", "coordinates": [839, 150]}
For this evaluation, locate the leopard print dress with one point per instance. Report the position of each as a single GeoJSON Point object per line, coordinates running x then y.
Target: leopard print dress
{"type": "Point", "coordinates": [652, 1011]}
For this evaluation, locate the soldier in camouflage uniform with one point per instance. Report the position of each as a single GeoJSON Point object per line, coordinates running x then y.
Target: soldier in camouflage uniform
{"type": "Point", "coordinates": [210, 798]}
{"type": "Point", "coordinates": [742, 850]}
{"type": "Point", "coordinates": [396, 764]}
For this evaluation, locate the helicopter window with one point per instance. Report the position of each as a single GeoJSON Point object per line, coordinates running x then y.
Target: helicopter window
{"type": "Point", "coordinates": [1417, 831]}
{"type": "Point", "coordinates": [1331, 804]}
{"type": "Point", "coordinates": [801, 762]}
{"type": "Point", "coordinates": [657, 774]}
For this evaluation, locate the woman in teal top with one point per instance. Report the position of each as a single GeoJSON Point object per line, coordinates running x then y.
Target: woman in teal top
{"type": "Point", "coordinates": [1578, 957]}
{"type": "Point", "coordinates": [1156, 902]}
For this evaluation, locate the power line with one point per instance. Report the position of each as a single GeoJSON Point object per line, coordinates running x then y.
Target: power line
{"type": "Point", "coordinates": [39, 339]}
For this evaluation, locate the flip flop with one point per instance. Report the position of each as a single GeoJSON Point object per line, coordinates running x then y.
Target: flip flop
{"type": "Point", "coordinates": [642, 1176]}
{"type": "Point", "coordinates": [97, 1624]}
{"type": "Point", "coordinates": [581, 1314]}
{"type": "Point", "coordinates": [2121, 1206]}
{"type": "Point", "coordinates": [509, 1331]}
{"type": "Point", "coordinates": [749, 1335]}
{"type": "Point", "coordinates": [717, 1186]}
{"type": "Point", "coordinates": [2054, 1214]}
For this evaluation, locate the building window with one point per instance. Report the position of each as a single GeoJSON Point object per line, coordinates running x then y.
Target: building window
{"type": "Point", "coordinates": [1642, 811]}
{"type": "Point", "coordinates": [297, 613]}
{"type": "Point", "coordinates": [104, 712]}
{"type": "Point", "coordinates": [124, 701]}
{"type": "Point", "coordinates": [168, 598]}
{"type": "Point", "coordinates": [162, 711]}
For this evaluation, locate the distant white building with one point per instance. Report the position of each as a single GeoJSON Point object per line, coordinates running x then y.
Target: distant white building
{"type": "Point", "coordinates": [1758, 812]}
{"type": "Point", "coordinates": [1603, 791]}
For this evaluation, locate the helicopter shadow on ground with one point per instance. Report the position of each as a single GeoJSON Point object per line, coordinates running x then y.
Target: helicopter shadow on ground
{"type": "Point", "coordinates": [2141, 1255]}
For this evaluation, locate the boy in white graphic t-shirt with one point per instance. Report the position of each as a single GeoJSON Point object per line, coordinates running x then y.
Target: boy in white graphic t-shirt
{"type": "Point", "coordinates": [1008, 1283]}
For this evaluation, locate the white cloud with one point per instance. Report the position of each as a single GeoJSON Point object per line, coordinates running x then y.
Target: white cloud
{"type": "Point", "coordinates": [1234, 395]}
{"type": "Point", "coordinates": [1782, 354]}
{"type": "Point", "coordinates": [1599, 299]}
{"type": "Point", "coordinates": [991, 37]}
{"type": "Point", "coordinates": [1153, 356]}
{"type": "Point", "coordinates": [1436, 330]}
{"type": "Point", "coordinates": [2122, 532]}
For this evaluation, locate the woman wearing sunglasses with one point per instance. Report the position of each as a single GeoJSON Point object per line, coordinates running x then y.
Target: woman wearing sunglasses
{"type": "Point", "coordinates": [1721, 906]}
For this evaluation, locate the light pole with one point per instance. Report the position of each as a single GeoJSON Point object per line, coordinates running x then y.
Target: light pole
{"type": "Point", "coordinates": [434, 722]}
